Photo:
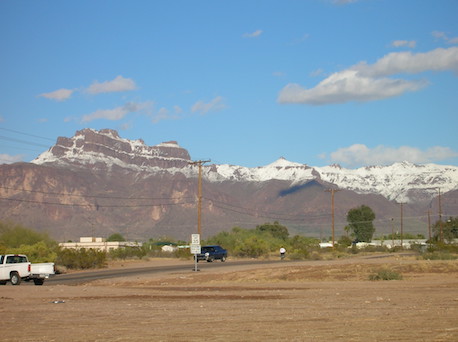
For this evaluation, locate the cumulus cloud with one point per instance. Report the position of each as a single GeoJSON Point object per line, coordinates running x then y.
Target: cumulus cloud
{"type": "Point", "coordinates": [214, 105]}
{"type": "Point", "coordinates": [402, 43]}
{"type": "Point", "coordinates": [254, 34]}
{"type": "Point", "coordinates": [347, 86]}
{"type": "Point", "coordinates": [118, 84]}
{"type": "Point", "coordinates": [58, 95]}
{"type": "Point", "coordinates": [9, 159]}
{"type": "Point", "coordinates": [119, 112]}
{"type": "Point", "coordinates": [369, 82]}
{"type": "Point", "coordinates": [359, 154]}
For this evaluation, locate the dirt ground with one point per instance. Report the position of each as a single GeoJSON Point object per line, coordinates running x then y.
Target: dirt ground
{"type": "Point", "coordinates": [301, 301]}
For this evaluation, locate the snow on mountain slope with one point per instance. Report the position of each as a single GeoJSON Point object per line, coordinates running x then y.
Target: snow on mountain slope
{"type": "Point", "coordinates": [280, 170]}
{"type": "Point", "coordinates": [394, 181]}
{"type": "Point", "coordinates": [105, 148]}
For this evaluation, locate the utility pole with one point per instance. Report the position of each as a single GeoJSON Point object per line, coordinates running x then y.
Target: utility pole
{"type": "Point", "coordinates": [429, 227]}
{"type": "Point", "coordinates": [441, 236]}
{"type": "Point", "coordinates": [392, 232]}
{"type": "Point", "coordinates": [332, 191]}
{"type": "Point", "coordinates": [402, 225]}
{"type": "Point", "coordinates": [199, 163]}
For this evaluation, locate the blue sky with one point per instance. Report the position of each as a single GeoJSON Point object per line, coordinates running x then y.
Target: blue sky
{"type": "Point", "coordinates": [355, 82]}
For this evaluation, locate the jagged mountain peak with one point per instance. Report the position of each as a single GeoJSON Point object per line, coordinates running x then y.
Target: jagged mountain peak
{"type": "Point", "coordinates": [283, 162]}
{"type": "Point", "coordinates": [105, 149]}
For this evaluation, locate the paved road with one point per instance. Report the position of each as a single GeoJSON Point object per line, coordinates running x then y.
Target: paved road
{"type": "Point", "coordinates": [88, 276]}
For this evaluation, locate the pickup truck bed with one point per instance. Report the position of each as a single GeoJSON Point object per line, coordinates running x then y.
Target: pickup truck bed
{"type": "Point", "coordinates": [15, 268]}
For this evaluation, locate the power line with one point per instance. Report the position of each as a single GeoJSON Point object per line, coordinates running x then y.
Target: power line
{"type": "Point", "coordinates": [95, 196]}
{"type": "Point", "coordinates": [26, 134]}
{"type": "Point", "coordinates": [22, 141]}
{"type": "Point", "coordinates": [92, 205]}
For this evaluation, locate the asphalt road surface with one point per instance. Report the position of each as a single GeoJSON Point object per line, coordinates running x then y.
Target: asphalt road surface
{"type": "Point", "coordinates": [88, 276]}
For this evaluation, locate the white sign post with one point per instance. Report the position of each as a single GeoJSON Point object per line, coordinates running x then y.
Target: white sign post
{"type": "Point", "coordinates": [195, 248]}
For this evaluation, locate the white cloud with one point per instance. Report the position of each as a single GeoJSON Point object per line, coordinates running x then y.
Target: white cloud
{"type": "Point", "coordinates": [369, 82]}
{"type": "Point", "coordinates": [165, 114]}
{"type": "Point", "coordinates": [347, 86]}
{"type": "Point", "coordinates": [254, 34]}
{"type": "Point", "coordinates": [359, 154]}
{"type": "Point", "coordinates": [117, 85]}
{"type": "Point", "coordinates": [443, 35]}
{"type": "Point", "coordinates": [402, 43]}
{"type": "Point", "coordinates": [9, 159]}
{"type": "Point", "coordinates": [58, 95]}
{"type": "Point", "coordinates": [216, 104]}
{"type": "Point", "coordinates": [406, 62]}
{"type": "Point", "coordinates": [119, 112]}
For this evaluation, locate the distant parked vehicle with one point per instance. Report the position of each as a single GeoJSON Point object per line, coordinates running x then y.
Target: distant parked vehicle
{"type": "Point", "coordinates": [211, 253]}
{"type": "Point", "coordinates": [16, 267]}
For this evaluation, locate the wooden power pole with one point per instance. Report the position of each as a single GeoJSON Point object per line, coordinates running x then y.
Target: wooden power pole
{"type": "Point", "coordinates": [332, 191]}
{"type": "Point", "coordinates": [199, 163]}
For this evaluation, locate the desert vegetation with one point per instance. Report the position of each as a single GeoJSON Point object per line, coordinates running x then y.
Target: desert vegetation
{"type": "Point", "coordinates": [264, 241]}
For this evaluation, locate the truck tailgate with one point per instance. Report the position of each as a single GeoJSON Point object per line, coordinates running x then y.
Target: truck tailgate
{"type": "Point", "coordinates": [42, 269]}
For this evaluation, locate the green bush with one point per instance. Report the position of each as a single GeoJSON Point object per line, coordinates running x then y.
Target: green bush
{"type": "Point", "coordinates": [385, 274]}
{"type": "Point", "coordinates": [127, 253]}
{"type": "Point", "coordinates": [81, 259]}
{"type": "Point", "coordinates": [38, 252]}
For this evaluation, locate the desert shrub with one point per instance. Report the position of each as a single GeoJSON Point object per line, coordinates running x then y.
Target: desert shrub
{"type": "Point", "coordinates": [385, 274]}
{"type": "Point", "coordinates": [439, 255]}
{"type": "Point", "coordinates": [182, 253]}
{"type": "Point", "coordinates": [253, 247]}
{"type": "Point", "coordinates": [298, 254]}
{"type": "Point", "coordinates": [38, 252]}
{"type": "Point", "coordinates": [14, 236]}
{"type": "Point", "coordinates": [127, 253]}
{"type": "Point", "coordinates": [81, 259]}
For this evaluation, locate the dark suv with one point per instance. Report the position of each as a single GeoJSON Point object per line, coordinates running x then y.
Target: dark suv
{"type": "Point", "coordinates": [211, 253]}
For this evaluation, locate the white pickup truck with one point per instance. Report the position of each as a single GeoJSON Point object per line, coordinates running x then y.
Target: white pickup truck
{"type": "Point", "coordinates": [16, 267]}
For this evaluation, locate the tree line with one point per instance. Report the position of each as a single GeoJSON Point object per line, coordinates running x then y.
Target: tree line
{"type": "Point", "coordinates": [263, 241]}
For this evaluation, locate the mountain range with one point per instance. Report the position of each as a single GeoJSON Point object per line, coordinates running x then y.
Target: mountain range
{"type": "Point", "coordinates": [97, 183]}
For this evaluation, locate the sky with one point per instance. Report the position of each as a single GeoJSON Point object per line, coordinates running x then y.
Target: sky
{"type": "Point", "coordinates": [317, 82]}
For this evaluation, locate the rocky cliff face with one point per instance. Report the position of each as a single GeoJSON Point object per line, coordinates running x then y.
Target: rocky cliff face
{"type": "Point", "coordinates": [97, 183]}
{"type": "Point", "coordinates": [105, 148]}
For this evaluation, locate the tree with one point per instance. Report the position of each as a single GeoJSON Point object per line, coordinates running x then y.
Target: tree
{"type": "Point", "coordinates": [449, 229]}
{"type": "Point", "coordinates": [360, 221]}
{"type": "Point", "coordinates": [275, 229]}
{"type": "Point", "coordinates": [116, 237]}
{"type": "Point", "coordinates": [14, 236]}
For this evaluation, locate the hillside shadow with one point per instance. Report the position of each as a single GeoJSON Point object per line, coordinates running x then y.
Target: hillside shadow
{"type": "Point", "coordinates": [297, 188]}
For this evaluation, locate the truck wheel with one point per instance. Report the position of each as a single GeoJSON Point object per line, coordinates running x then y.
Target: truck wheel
{"type": "Point", "coordinates": [15, 278]}
{"type": "Point", "coordinates": [223, 259]}
{"type": "Point", "coordinates": [38, 281]}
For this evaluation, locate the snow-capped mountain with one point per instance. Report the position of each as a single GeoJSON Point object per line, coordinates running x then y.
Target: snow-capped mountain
{"type": "Point", "coordinates": [401, 182]}
{"type": "Point", "coordinates": [98, 183]}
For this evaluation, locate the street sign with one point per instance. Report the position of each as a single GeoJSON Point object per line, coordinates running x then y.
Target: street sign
{"type": "Point", "coordinates": [195, 239]}
{"type": "Point", "coordinates": [195, 249]}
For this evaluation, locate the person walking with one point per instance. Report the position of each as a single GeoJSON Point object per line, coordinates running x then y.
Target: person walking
{"type": "Point", "coordinates": [282, 253]}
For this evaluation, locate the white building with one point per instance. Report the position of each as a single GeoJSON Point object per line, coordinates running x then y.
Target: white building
{"type": "Point", "coordinates": [99, 243]}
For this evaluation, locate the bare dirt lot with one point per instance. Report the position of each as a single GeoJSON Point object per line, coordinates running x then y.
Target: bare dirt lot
{"type": "Point", "coordinates": [302, 301]}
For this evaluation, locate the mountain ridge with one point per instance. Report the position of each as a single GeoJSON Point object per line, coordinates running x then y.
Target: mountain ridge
{"type": "Point", "coordinates": [395, 182]}
{"type": "Point", "coordinates": [97, 183]}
